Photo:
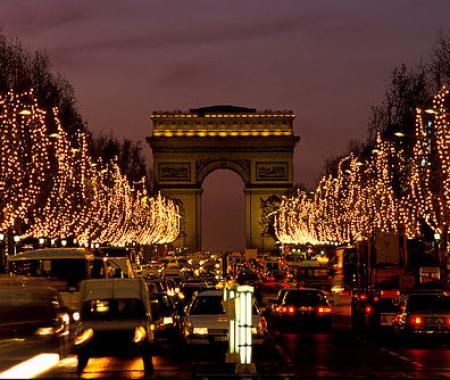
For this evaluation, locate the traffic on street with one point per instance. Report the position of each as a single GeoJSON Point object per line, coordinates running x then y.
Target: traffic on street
{"type": "Point", "coordinates": [169, 318]}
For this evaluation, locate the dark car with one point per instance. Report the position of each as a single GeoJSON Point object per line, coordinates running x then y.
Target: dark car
{"type": "Point", "coordinates": [164, 316]}
{"type": "Point", "coordinates": [302, 307]}
{"type": "Point", "coordinates": [424, 315]}
{"type": "Point", "coordinates": [155, 286]}
{"type": "Point", "coordinates": [188, 288]}
{"type": "Point", "coordinates": [248, 277]}
{"type": "Point", "coordinates": [32, 310]}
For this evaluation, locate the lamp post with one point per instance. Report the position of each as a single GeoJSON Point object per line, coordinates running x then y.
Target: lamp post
{"type": "Point", "coordinates": [2, 254]}
{"type": "Point", "coordinates": [16, 240]}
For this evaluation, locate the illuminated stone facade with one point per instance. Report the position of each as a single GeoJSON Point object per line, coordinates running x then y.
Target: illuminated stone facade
{"type": "Point", "coordinates": [258, 146]}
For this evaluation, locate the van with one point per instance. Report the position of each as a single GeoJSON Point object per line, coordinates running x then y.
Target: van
{"type": "Point", "coordinates": [115, 320]}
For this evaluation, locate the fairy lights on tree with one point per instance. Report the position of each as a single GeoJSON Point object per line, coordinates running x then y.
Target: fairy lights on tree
{"type": "Point", "coordinates": [361, 199]}
{"type": "Point", "coordinates": [52, 188]}
{"type": "Point", "coordinates": [430, 172]}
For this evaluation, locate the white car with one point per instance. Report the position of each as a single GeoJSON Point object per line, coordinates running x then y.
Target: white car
{"type": "Point", "coordinates": [115, 320]}
{"type": "Point", "coordinates": [206, 321]}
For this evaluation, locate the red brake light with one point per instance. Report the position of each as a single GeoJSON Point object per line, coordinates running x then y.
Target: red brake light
{"type": "Point", "coordinates": [375, 299]}
{"type": "Point", "coordinates": [363, 297]}
{"type": "Point", "coordinates": [416, 321]}
{"type": "Point", "coordinates": [286, 310]}
{"type": "Point", "coordinates": [368, 309]}
{"type": "Point", "coordinates": [323, 310]}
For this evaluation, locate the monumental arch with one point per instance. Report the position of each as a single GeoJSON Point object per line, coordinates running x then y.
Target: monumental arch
{"type": "Point", "coordinates": [258, 146]}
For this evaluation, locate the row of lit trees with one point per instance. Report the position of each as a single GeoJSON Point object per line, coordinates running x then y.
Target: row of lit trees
{"type": "Point", "coordinates": [50, 187]}
{"type": "Point", "coordinates": [368, 195]}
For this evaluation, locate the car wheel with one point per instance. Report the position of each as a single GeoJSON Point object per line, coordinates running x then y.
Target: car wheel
{"type": "Point", "coordinates": [82, 362]}
{"type": "Point", "coordinates": [148, 364]}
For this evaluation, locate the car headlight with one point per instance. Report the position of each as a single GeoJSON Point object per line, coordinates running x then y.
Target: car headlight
{"type": "Point", "coordinates": [65, 317]}
{"type": "Point", "coordinates": [84, 337]}
{"type": "Point", "coordinates": [168, 320]}
{"type": "Point", "coordinates": [139, 334]}
{"type": "Point", "coordinates": [76, 316]}
{"type": "Point", "coordinates": [200, 331]}
{"type": "Point", "coordinates": [45, 331]}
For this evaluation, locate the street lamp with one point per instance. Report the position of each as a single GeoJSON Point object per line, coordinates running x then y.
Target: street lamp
{"type": "Point", "coordinates": [16, 239]}
{"type": "Point", "coordinates": [433, 111]}
{"type": "Point", "coordinates": [25, 112]}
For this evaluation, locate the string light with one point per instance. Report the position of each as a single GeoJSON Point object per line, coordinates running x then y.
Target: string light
{"type": "Point", "coordinates": [360, 200]}
{"type": "Point", "coordinates": [53, 189]}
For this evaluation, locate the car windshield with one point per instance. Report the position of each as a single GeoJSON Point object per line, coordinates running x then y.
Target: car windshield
{"type": "Point", "coordinates": [249, 276]}
{"type": "Point", "coordinates": [207, 305]}
{"type": "Point", "coordinates": [189, 290]}
{"type": "Point", "coordinates": [304, 298]}
{"type": "Point", "coordinates": [113, 309]}
{"type": "Point", "coordinates": [155, 286]}
{"type": "Point", "coordinates": [429, 303]}
{"type": "Point", "coordinates": [70, 270]}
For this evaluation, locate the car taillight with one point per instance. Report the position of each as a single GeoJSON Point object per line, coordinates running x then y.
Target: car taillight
{"type": "Point", "coordinates": [285, 310]}
{"type": "Point", "coordinates": [362, 297]}
{"type": "Point", "coordinates": [323, 310]}
{"type": "Point", "coordinates": [368, 310]}
{"type": "Point", "coordinates": [416, 321]}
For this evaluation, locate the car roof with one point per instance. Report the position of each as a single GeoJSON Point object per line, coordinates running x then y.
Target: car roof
{"type": "Point", "coordinates": [304, 290]}
{"type": "Point", "coordinates": [52, 253]}
{"type": "Point", "coordinates": [212, 292]}
{"type": "Point", "coordinates": [113, 288]}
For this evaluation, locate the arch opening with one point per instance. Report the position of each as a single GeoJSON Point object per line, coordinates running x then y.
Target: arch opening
{"type": "Point", "coordinates": [223, 211]}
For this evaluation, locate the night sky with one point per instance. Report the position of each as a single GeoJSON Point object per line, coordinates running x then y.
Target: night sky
{"type": "Point", "coordinates": [328, 61]}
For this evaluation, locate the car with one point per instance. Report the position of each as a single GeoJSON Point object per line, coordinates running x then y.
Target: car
{"type": "Point", "coordinates": [164, 315]}
{"type": "Point", "coordinates": [275, 280]}
{"type": "Point", "coordinates": [206, 321]}
{"type": "Point", "coordinates": [32, 310]}
{"type": "Point", "coordinates": [188, 288]}
{"type": "Point", "coordinates": [251, 278]}
{"type": "Point", "coordinates": [115, 320]}
{"type": "Point", "coordinates": [173, 271]}
{"type": "Point", "coordinates": [155, 286]}
{"type": "Point", "coordinates": [423, 314]}
{"type": "Point", "coordinates": [275, 302]}
{"type": "Point", "coordinates": [302, 308]}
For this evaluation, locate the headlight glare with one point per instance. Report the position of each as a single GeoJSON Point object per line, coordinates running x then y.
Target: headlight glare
{"type": "Point", "coordinates": [200, 331]}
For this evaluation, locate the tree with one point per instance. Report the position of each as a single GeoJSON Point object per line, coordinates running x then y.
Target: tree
{"type": "Point", "coordinates": [20, 71]}
{"type": "Point", "coordinates": [440, 60]}
{"type": "Point", "coordinates": [128, 154]}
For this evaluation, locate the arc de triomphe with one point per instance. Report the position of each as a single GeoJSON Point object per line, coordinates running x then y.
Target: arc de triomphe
{"type": "Point", "coordinates": [258, 146]}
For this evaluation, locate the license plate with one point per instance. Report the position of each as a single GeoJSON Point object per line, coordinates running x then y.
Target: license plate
{"type": "Point", "coordinates": [386, 320]}
{"type": "Point", "coordinates": [220, 338]}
